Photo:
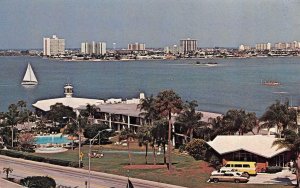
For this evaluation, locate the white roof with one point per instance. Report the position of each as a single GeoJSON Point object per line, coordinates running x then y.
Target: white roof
{"type": "Point", "coordinates": [257, 144]}
{"type": "Point", "coordinates": [121, 108]}
{"type": "Point", "coordinates": [73, 102]}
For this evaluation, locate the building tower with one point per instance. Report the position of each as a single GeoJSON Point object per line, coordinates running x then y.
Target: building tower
{"type": "Point", "coordinates": [53, 46]}
{"type": "Point", "coordinates": [188, 45]}
{"type": "Point", "coordinates": [68, 90]}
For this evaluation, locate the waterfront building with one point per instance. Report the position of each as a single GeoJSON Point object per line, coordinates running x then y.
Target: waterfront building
{"type": "Point", "coordinates": [188, 45]}
{"type": "Point", "coordinates": [85, 48]}
{"type": "Point", "coordinates": [53, 46]}
{"type": "Point", "coordinates": [100, 48]}
{"type": "Point", "coordinates": [171, 49]}
{"type": "Point", "coordinates": [93, 48]}
{"type": "Point", "coordinates": [137, 46]}
{"type": "Point", "coordinates": [243, 47]}
{"type": "Point", "coordinates": [263, 46]}
{"type": "Point", "coordinates": [118, 114]}
{"type": "Point", "coordinates": [250, 148]}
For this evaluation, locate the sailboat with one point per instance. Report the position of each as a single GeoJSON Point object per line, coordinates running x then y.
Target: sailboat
{"type": "Point", "coordinates": [29, 77]}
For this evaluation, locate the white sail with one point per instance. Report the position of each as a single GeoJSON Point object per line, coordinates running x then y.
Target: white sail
{"type": "Point", "coordinates": [29, 77]}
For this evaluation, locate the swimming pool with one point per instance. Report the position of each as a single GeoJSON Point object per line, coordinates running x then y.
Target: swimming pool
{"type": "Point", "coordinates": [52, 139]}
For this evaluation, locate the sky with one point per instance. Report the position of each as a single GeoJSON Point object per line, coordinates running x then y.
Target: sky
{"type": "Point", "coordinates": [157, 23]}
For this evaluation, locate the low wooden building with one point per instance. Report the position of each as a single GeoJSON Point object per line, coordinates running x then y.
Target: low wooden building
{"type": "Point", "coordinates": [256, 148]}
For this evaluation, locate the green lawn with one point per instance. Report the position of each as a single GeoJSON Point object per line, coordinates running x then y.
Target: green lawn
{"type": "Point", "coordinates": [188, 172]}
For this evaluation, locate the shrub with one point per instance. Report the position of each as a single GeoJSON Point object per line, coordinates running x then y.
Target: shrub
{"type": "Point", "coordinates": [75, 164]}
{"type": "Point", "coordinates": [11, 153]}
{"type": "Point", "coordinates": [196, 148]}
{"type": "Point", "coordinates": [273, 169]}
{"type": "Point", "coordinates": [182, 148]}
{"type": "Point", "coordinates": [34, 158]}
{"type": "Point", "coordinates": [38, 182]}
{"type": "Point", "coordinates": [58, 162]}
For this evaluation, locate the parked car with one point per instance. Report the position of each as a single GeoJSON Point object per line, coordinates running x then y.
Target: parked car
{"type": "Point", "coordinates": [241, 166]}
{"type": "Point", "coordinates": [235, 173]}
{"type": "Point", "coordinates": [228, 177]}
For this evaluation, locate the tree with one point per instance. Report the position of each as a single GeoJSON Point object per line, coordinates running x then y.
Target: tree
{"type": "Point", "coordinates": [90, 112]}
{"type": "Point", "coordinates": [196, 148]}
{"type": "Point", "coordinates": [167, 103]}
{"type": "Point", "coordinates": [128, 135]}
{"type": "Point", "coordinates": [292, 142]}
{"type": "Point", "coordinates": [239, 121]}
{"type": "Point", "coordinates": [38, 182]}
{"type": "Point", "coordinates": [26, 140]}
{"type": "Point", "coordinates": [147, 105]}
{"type": "Point", "coordinates": [145, 137]}
{"type": "Point", "coordinates": [160, 135]}
{"type": "Point", "coordinates": [7, 171]}
{"type": "Point", "coordinates": [6, 134]}
{"type": "Point", "coordinates": [189, 119]}
{"type": "Point", "coordinates": [58, 113]}
{"type": "Point", "coordinates": [12, 118]}
{"type": "Point", "coordinates": [280, 116]}
{"type": "Point", "coordinates": [91, 131]}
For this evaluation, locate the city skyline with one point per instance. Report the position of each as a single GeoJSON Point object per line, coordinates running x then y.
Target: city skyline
{"type": "Point", "coordinates": [158, 24]}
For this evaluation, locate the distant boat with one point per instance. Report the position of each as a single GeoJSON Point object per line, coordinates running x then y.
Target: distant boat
{"type": "Point", "coordinates": [271, 83]}
{"type": "Point", "coordinates": [29, 77]}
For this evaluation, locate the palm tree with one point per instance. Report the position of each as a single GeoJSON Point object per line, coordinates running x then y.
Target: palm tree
{"type": "Point", "coordinates": [167, 103]}
{"type": "Point", "coordinates": [91, 110]}
{"type": "Point", "coordinates": [239, 121]}
{"type": "Point", "coordinates": [145, 137]}
{"type": "Point", "coordinates": [280, 116]}
{"type": "Point", "coordinates": [147, 105]}
{"type": "Point", "coordinates": [128, 135]}
{"type": "Point", "coordinates": [160, 135]}
{"type": "Point", "coordinates": [189, 119]}
{"type": "Point", "coordinates": [292, 142]}
{"type": "Point", "coordinates": [12, 118]}
{"type": "Point", "coordinates": [7, 171]}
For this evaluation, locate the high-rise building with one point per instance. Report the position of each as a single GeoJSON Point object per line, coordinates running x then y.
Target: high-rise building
{"type": "Point", "coordinates": [85, 48]}
{"type": "Point", "coordinates": [100, 48]}
{"type": "Point", "coordinates": [53, 46]}
{"type": "Point", "coordinates": [136, 46]}
{"type": "Point", "coordinates": [93, 48]}
{"type": "Point", "coordinates": [243, 47]}
{"type": "Point", "coordinates": [263, 46]}
{"type": "Point", "coordinates": [188, 45]}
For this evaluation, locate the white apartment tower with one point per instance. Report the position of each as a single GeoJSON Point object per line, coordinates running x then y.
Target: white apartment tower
{"type": "Point", "coordinates": [53, 46]}
{"type": "Point", "coordinates": [100, 48]}
{"type": "Point", "coordinates": [93, 48]}
{"type": "Point", "coordinates": [188, 45]}
{"type": "Point", "coordinates": [136, 46]}
{"type": "Point", "coordinates": [85, 48]}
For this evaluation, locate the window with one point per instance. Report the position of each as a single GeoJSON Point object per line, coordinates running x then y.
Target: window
{"type": "Point", "coordinates": [238, 165]}
{"type": "Point", "coordinates": [246, 166]}
{"type": "Point", "coordinates": [228, 165]}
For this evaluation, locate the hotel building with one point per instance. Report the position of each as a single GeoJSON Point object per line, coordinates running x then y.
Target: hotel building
{"type": "Point", "coordinates": [188, 45]}
{"type": "Point", "coordinates": [136, 47]}
{"type": "Point", "coordinates": [53, 46]}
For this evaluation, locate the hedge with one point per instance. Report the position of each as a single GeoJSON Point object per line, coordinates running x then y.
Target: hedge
{"type": "Point", "coordinates": [38, 182]}
{"type": "Point", "coordinates": [60, 162]}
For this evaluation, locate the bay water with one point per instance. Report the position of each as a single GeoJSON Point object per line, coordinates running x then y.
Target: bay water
{"type": "Point", "coordinates": [232, 83]}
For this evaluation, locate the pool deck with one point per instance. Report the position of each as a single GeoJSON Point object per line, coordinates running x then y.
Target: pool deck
{"type": "Point", "coordinates": [51, 150]}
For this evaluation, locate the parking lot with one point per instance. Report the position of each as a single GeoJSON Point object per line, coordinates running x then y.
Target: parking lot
{"type": "Point", "coordinates": [285, 177]}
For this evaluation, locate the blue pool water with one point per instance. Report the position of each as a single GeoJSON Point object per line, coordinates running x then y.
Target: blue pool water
{"type": "Point", "coordinates": [52, 140]}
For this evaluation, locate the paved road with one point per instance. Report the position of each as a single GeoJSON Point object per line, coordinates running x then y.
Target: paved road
{"type": "Point", "coordinates": [67, 177]}
{"type": "Point", "coordinates": [8, 184]}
